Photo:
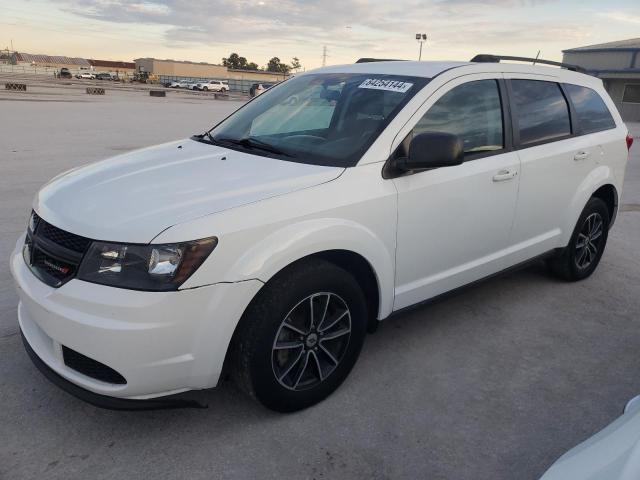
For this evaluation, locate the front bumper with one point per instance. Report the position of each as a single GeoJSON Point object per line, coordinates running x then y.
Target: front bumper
{"type": "Point", "coordinates": [162, 343]}
{"type": "Point", "coordinates": [104, 401]}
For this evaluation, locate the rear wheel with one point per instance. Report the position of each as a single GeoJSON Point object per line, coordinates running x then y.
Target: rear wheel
{"type": "Point", "coordinates": [300, 337]}
{"type": "Point", "coordinates": [206, 89]}
{"type": "Point", "coordinates": [580, 258]}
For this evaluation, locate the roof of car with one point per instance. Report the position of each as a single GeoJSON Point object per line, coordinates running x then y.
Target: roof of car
{"type": "Point", "coordinates": [413, 69]}
{"type": "Point", "coordinates": [431, 69]}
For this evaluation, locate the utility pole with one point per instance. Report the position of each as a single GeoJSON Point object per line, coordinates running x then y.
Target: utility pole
{"type": "Point", "coordinates": [324, 56]}
{"type": "Point", "coordinates": [421, 37]}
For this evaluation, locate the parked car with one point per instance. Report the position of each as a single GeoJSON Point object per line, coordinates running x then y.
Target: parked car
{"type": "Point", "coordinates": [611, 454]}
{"type": "Point", "coordinates": [103, 76]}
{"type": "Point", "coordinates": [270, 244]}
{"type": "Point", "coordinates": [65, 73]}
{"type": "Point", "coordinates": [213, 85]}
{"type": "Point", "coordinates": [86, 76]}
{"type": "Point", "coordinates": [181, 84]}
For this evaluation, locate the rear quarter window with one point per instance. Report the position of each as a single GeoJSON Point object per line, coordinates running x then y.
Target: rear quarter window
{"type": "Point", "coordinates": [593, 114]}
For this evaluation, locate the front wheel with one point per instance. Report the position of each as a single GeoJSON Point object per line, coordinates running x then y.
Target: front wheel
{"type": "Point", "coordinates": [580, 258]}
{"type": "Point", "coordinates": [300, 337]}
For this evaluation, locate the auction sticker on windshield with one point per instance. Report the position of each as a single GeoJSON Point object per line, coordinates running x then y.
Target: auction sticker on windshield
{"type": "Point", "coordinates": [390, 85]}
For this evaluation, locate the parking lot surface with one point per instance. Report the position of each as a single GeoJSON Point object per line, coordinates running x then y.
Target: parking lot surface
{"type": "Point", "coordinates": [493, 382]}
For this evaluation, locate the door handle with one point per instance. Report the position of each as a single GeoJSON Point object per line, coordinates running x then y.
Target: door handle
{"type": "Point", "coordinates": [504, 175]}
{"type": "Point", "coordinates": [581, 155]}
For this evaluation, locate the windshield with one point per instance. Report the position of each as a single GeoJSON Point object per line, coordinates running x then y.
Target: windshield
{"type": "Point", "coordinates": [321, 119]}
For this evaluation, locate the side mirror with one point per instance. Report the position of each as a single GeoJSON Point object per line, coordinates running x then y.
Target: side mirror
{"type": "Point", "coordinates": [432, 150]}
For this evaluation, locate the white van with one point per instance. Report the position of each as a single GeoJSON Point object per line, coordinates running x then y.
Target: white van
{"type": "Point", "coordinates": [270, 244]}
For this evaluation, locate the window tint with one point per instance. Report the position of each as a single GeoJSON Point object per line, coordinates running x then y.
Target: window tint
{"type": "Point", "coordinates": [593, 114]}
{"type": "Point", "coordinates": [542, 111]}
{"type": "Point", "coordinates": [631, 94]}
{"type": "Point", "coordinates": [320, 119]}
{"type": "Point", "coordinates": [472, 111]}
{"type": "Point", "coordinates": [310, 109]}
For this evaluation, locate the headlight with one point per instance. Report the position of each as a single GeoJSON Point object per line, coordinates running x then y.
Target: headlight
{"type": "Point", "coordinates": [144, 267]}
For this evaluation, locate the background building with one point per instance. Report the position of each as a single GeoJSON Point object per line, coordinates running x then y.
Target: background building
{"type": "Point", "coordinates": [173, 70]}
{"type": "Point", "coordinates": [50, 64]}
{"type": "Point", "coordinates": [114, 67]}
{"type": "Point", "coordinates": [57, 62]}
{"type": "Point", "coordinates": [618, 65]}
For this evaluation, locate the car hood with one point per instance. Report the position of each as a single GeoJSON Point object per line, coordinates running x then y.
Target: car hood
{"type": "Point", "coordinates": [611, 454]}
{"type": "Point", "coordinates": [135, 196]}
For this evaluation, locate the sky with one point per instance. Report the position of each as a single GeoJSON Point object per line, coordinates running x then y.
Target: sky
{"type": "Point", "coordinates": [207, 30]}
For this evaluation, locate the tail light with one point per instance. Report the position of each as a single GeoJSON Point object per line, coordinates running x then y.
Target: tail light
{"type": "Point", "coordinates": [629, 141]}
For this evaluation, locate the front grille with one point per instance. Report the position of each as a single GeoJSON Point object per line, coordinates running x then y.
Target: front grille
{"type": "Point", "coordinates": [65, 239]}
{"type": "Point", "coordinates": [53, 254]}
{"type": "Point", "coordinates": [91, 368]}
{"type": "Point", "coordinates": [51, 266]}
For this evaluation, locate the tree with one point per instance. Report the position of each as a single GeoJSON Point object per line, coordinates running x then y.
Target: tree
{"type": "Point", "coordinates": [235, 61]}
{"type": "Point", "coordinates": [275, 65]}
{"type": "Point", "coordinates": [295, 64]}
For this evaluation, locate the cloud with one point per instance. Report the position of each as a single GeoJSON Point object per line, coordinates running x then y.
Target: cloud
{"type": "Point", "coordinates": [621, 17]}
{"type": "Point", "coordinates": [374, 26]}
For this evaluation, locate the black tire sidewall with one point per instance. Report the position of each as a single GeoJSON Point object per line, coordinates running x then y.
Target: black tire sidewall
{"type": "Point", "coordinates": [271, 309]}
{"type": "Point", "coordinates": [594, 205]}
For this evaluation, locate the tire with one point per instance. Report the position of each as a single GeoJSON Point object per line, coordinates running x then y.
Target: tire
{"type": "Point", "coordinates": [278, 354]}
{"type": "Point", "coordinates": [206, 89]}
{"type": "Point", "coordinates": [222, 90]}
{"type": "Point", "coordinates": [581, 256]}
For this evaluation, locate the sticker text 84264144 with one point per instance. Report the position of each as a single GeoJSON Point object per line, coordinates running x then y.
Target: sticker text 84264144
{"type": "Point", "coordinates": [386, 84]}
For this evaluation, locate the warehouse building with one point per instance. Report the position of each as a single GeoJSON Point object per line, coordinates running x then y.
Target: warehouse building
{"type": "Point", "coordinates": [618, 65]}
{"type": "Point", "coordinates": [113, 67]}
{"type": "Point", "coordinates": [38, 61]}
{"type": "Point", "coordinates": [53, 63]}
{"type": "Point", "coordinates": [175, 70]}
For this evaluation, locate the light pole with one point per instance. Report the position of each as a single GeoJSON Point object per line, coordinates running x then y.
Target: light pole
{"type": "Point", "coordinates": [421, 37]}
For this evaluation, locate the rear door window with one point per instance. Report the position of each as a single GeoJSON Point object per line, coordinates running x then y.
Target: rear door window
{"type": "Point", "coordinates": [542, 113]}
{"type": "Point", "coordinates": [593, 115]}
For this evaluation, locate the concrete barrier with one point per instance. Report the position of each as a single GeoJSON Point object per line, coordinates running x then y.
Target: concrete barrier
{"type": "Point", "coordinates": [95, 91]}
{"type": "Point", "coordinates": [157, 93]}
{"type": "Point", "coordinates": [20, 87]}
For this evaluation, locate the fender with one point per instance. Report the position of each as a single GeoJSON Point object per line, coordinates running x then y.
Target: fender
{"type": "Point", "coordinates": [294, 242]}
{"type": "Point", "coordinates": [599, 176]}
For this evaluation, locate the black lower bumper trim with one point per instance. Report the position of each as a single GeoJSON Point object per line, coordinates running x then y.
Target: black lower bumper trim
{"type": "Point", "coordinates": [105, 401]}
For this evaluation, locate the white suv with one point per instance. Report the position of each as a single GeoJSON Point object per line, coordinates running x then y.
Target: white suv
{"type": "Point", "coordinates": [213, 85]}
{"type": "Point", "coordinates": [269, 245]}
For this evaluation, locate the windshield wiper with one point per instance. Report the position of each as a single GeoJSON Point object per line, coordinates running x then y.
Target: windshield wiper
{"type": "Point", "coordinates": [200, 138]}
{"type": "Point", "coordinates": [252, 143]}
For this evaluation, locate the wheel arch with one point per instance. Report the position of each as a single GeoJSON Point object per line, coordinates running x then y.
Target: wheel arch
{"type": "Point", "coordinates": [609, 195]}
{"type": "Point", "coordinates": [599, 183]}
{"type": "Point", "coordinates": [350, 261]}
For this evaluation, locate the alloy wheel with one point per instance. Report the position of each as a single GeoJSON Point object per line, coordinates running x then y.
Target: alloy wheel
{"type": "Point", "coordinates": [589, 241]}
{"type": "Point", "coordinates": [311, 341]}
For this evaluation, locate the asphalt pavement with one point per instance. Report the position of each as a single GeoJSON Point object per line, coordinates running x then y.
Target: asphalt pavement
{"type": "Point", "coordinates": [494, 382]}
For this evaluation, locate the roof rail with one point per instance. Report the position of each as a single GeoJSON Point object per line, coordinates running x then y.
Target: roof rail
{"type": "Point", "coordinates": [369, 60]}
{"type": "Point", "coordinates": [484, 58]}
